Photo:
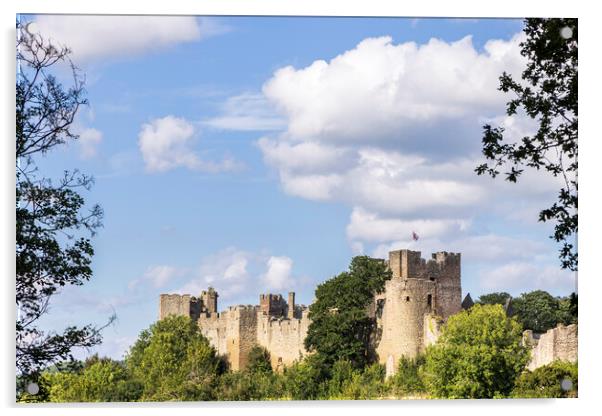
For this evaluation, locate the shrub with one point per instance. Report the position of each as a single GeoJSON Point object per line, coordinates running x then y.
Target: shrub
{"type": "Point", "coordinates": [408, 378]}
{"type": "Point", "coordinates": [546, 381]}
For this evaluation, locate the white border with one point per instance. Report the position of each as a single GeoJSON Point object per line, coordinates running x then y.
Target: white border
{"type": "Point", "coordinates": [590, 209]}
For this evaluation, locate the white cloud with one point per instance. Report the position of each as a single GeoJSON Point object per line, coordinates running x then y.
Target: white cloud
{"type": "Point", "coordinates": [394, 132]}
{"type": "Point", "coordinates": [378, 89]}
{"type": "Point", "coordinates": [226, 271]}
{"type": "Point", "coordinates": [526, 276]}
{"type": "Point", "coordinates": [278, 274]}
{"type": "Point", "coordinates": [167, 143]}
{"type": "Point", "coordinates": [247, 112]}
{"type": "Point", "coordinates": [370, 227]}
{"type": "Point", "coordinates": [93, 37]}
{"type": "Point", "coordinates": [234, 272]}
{"type": "Point", "coordinates": [158, 276]}
{"type": "Point", "coordinates": [88, 141]}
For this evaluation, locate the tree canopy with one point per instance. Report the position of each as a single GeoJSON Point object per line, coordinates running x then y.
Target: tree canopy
{"type": "Point", "coordinates": [540, 311]}
{"type": "Point", "coordinates": [340, 327]}
{"type": "Point", "coordinates": [479, 355]}
{"type": "Point", "coordinates": [547, 93]}
{"type": "Point", "coordinates": [172, 360]}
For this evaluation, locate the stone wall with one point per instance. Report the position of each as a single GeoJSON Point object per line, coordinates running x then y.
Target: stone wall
{"type": "Point", "coordinates": [283, 338]}
{"type": "Point", "coordinates": [179, 305]}
{"type": "Point", "coordinates": [558, 343]}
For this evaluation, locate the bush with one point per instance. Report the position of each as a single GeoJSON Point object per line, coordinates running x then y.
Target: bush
{"type": "Point", "coordinates": [408, 378]}
{"type": "Point", "coordinates": [546, 381]}
{"type": "Point", "coordinates": [100, 380]}
{"type": "Point", "coordinates": [259, 361]}
{"type": "Point", "coordinates": [479, 355]}
{"type": "Point", "coordinates": [305, 380]}
{"type": "Point", "coordinates": [366, 384]}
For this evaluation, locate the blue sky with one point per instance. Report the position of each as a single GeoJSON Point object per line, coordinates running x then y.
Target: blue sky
{"type": "Point", "coordinates": [260, 154]}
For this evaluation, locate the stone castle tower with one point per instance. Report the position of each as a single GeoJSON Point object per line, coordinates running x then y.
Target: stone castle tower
{"type": "Point", "coordinates": [417, 299]}
{"type": "Point", "coordinates": [420, 296]}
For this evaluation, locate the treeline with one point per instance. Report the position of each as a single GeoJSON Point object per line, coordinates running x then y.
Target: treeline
{"type": "Point", "coordinates": [480, 354]}
{"type": "Point", "coordinates": [537, 310]}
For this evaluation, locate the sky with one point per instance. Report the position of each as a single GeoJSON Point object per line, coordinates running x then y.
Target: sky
{"type": "Point", "coordinates": [260, 154]}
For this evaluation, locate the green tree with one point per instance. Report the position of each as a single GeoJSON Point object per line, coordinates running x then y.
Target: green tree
{"type": "Point", "coordinates": [341, 375]}
{"type": "Point", "coordinates": [306, 379]}
{"type": "Point", "coordinates": [365, 384]}
{"type": "Point", "coordinates": [538, 311]}
{"type": "Point", "coordinates": [546, 381]}
{"type": "Point", "coordinates": [340, 327]}
{"type": "Point", "coordinates": [479, 355]}
{"type": "Point", "coordinates": [568, 309]}
{"type": "Point", "coordinates": [101, 380]}
{"type": "Point", "coordinates": [172, 360]}
{"type": "Point", "coordinates": [496, 298]}
{"type": "Point", "coordinates": [53, 224]}
{"type": "Point", "coordinates": [259, 361]}
{"type": "Point", "coordinates": [408, 378]}
{"type": "Point", "coordinates": [547, 94]}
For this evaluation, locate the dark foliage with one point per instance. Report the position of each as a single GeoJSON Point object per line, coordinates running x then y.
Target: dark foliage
{"type": "Point", "coordinates": [547, 94]}
{"type": "Point", "coordinates": [53, 230]}
{"type": "Point", "coordinates": [341, 328]}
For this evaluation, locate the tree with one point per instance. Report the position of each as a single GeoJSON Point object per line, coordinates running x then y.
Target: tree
{"type": "Point", "coordinates": [101, 380]}
{"type": "Point", "coordinates": [540, 311]}
{"type": "Point", "coordinates": [547, 381]}
{"type": "Point", "coordinates": [54, 226]}
{"type": "Point", "coordinates": [408, 378]}
{"type": "Point", "coordinates": [340, 327]}
{"type": "Point", "coordinates": [479, 355]}
{"type": "Point", "coordinates": [259, 361]}
{"type": "Point", "coordinates": [547, 94]}
{"type": "Point", "coordinates": [496, 298]}
{"type": "Point", "coordinates": [172, 360]}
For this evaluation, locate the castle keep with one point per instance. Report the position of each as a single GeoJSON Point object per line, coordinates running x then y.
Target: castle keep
{"type": "Point", "coordinates": [420, 296]}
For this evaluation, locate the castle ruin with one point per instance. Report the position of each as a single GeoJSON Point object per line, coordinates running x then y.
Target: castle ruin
{"type": "Point", "coordinates": [420, 296]}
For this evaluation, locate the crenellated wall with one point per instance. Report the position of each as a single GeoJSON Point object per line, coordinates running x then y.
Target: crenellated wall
{"type": "Point", "coordinates": [283, 338]}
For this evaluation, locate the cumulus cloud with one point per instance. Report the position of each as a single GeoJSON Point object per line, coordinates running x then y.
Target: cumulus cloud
{"type": "Point", "coordinates": [225, 270]}
{"type": "Point", "coordinates": [92, 37]}
{"type": "Point", "coordinates": [380, 127]}
{"type": "Point", "coordinates": [393, 131]}
{"type": "Point", "coordinates": [234, 272]}
{"type": "Point", "coordinates": [167, 143]}
{"type": "Point", "coordinates": [278, 273]}
{"type": "Point", "coordinates": [378, 89]}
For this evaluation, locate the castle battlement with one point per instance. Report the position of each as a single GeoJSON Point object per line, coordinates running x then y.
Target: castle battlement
{"type": "Point", "coordinates": [420, 296]}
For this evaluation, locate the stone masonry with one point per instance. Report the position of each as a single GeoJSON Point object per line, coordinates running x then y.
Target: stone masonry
{"type": "Point", "coordinates": [558, 343]}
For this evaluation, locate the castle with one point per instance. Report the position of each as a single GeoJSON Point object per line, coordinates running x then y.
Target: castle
{"type": "Point", "coordinates": [420, 296]}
